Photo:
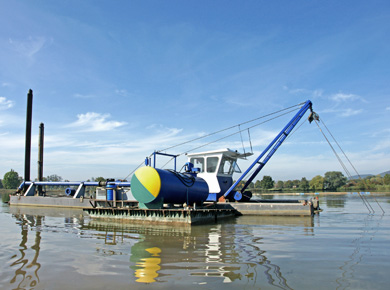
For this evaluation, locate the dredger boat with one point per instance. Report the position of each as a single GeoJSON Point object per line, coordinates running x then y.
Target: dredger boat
{"type": "Point", "coordinates": [204, 191]}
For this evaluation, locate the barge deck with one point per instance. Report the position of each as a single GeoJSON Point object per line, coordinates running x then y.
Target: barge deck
{"type": "Point", "coordinates": [52, 201]}
{"type": "Point", "coordinates": [208, 213]}
{"type": "Point", "coordinates": [167, 216]}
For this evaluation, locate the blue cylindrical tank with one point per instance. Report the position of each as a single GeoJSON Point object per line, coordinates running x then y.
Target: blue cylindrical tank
{"type": "Point", "coordinates": [110, 191]}
{"type": "Point", "coordinates": [150, 184]}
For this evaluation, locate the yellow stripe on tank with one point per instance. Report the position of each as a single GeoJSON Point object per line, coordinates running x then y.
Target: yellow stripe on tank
{"type": "Point", "coordinates": [150, 179]}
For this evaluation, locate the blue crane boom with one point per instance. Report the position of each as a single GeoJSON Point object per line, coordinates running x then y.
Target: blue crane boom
{"type": "Point", "coordinates": [271, 149]}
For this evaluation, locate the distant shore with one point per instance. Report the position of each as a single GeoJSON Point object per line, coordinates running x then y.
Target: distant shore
{"type": "Point", "coordinates": [325, 193]}
{"type": "Point", "coordinates": [61, 192]}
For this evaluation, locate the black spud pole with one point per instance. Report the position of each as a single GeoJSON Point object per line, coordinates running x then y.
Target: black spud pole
{"type": "Point", "coordinates": [27, 156]}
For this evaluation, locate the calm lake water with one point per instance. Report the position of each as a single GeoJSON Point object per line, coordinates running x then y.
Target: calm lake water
{"type": "Point", "coordinates": [342, 248]}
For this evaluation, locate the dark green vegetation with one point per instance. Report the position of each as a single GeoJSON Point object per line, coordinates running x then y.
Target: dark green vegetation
{"type": "Point", "coordinates": [5, 194]}
{"type": "Point", "coordinates": [11, 180]}
{"type": "Point", "coordinates": [331, 181]}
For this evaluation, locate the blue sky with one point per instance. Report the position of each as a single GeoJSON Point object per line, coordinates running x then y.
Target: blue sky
{"type": "Point", "coordinates": [115, 80]}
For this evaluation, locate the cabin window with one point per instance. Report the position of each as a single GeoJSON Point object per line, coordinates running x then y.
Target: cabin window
{"type": "Point", "coordinates": [228, 166]}
{"type": "Point", "coordinates": [198, 163]}
{"type": "Point", "coordinates": [212, 163]}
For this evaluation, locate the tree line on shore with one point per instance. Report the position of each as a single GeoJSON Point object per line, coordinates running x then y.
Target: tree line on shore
{"type": "Point", "coordinates": [331, 181]}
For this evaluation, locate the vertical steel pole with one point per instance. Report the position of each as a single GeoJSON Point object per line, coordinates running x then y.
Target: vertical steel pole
{"type": "Point", "coordinates": [40, 155]}
{"type": "Point", "coordinates": [27, 157]}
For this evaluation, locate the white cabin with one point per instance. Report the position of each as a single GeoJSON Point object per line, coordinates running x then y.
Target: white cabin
{"type": "Point", "coordinates": [217, 169]}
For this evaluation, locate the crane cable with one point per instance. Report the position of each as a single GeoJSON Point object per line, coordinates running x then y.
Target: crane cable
{"type": "Point", "coordinates": [231, 127]}
{"type": "Point", "coordinates": [250, 141]}
{"type": "Point", "coordinates": [239, 131]}
{"type": "Point", "coordinates": [357, 173]}
{"type": "Point", "coordinates": [296, 129]}
{"type": "Point", "coordinates": [142, 163]}
{"type": "Point", "coordinates": [222, 130]}
{"type": "Point", "coordinates": [366, 203]}
{"type": "Point", "coordinates": [364, 199]}
{"type": "Point", "coordinates": [242, 141]}
{"type": "Point", "coordinates": [288, 136]}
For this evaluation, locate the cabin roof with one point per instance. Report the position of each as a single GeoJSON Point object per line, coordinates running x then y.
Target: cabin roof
{"type": "Point", "coordinates": [226, 152]}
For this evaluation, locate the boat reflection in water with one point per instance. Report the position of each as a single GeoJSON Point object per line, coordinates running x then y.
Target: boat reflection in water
{"type": "Point", "coordinates": [59, 249]}
{"type": "Point", "coordinates": [26, 273]}
{"type": "Point", "coordinates": [226, 252]}
{"type": "Point", "coordinates": [31, 220]}
{"type": "Point", "coordinates": [146, 268]}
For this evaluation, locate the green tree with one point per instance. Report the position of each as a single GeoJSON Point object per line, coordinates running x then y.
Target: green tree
{"type": "Point", "coordinates": [1, 183]}
{"type": "Point", "coordinates": [288, 184]}
{"type": "Point", "coordinates": [376, 180]}
{"type": "Point", "coordinates": [386, 179]}
{"type": "Point", "coordinates": [54, 177]}
{"type": "Point", "coordinates": [304, 184]}
{"type": "Point", "coordinates": [334, 180]}
{"type": "Point", "coordinates": [280, 184]}
{"type": "Point", "coordinates": [257, 184]}
{"type": "Point", "coordinates": [317, 183]}
{"type": "Point", "coordinates": [296, 183]}
{"type": "Point", "coordinates": [267, 182]}
{"type": "Point", "coordinates": [351, 183]}
{"type": "Point", "coordinates": [361, 184]}
{"type": "Point", "coordinates": [11, 180]}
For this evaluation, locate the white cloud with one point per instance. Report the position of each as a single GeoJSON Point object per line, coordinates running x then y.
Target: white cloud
{"type": "Point", "coordinates": [164, 130]}
{"type": "Point", "coordinates": [383, 145]}
{"type": "Point", "coordinates": [317, 93]}
{"type": "Point", "coordinates": [343, 112]}
{"type": "Point", "coordinates": [238, 101]}
{"type": "Point", "coordinates": [309, 93]}
{"type": "Point", "coordinates": [5, 104]}
{"type": "Point", "coordinates": [108, 156]}
{"type": "Point", "coordinates": [122, 93]}
{"type": "Point", "coordinates": [95, 122]}
{"type": "Point", "coordinates": [380, 133]}
{"type": "Point", "coordinates": [81, 96]}
{"type": "Point", "coordinates": [298, 91]}
{"type": "Point", "coordinates": [341, 97]}
{"type": "Point", "coordinates": [11, 141]}
{"type": "Point", "coordinates": [28, 48]}
{"type": "Point", "coordinates": [350, 112]}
